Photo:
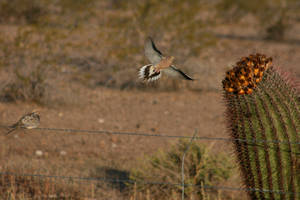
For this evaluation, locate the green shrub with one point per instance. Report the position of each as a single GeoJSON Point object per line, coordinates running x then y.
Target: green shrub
{"type": "Point", "coordinates": [201, 168]}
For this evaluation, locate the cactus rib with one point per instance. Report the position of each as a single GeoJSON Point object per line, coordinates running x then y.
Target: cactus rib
{"type": "Point", "coordinates": [257, 162]}
{"type": "Point", "coordinates": [233, 114]}
{"type": "Point", "coordinates": [263, 106]}
{"type": "Point", "coordinates": [265, 146]}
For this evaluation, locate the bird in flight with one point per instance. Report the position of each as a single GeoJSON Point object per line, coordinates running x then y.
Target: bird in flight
{"type": "Point", "coordinates": [27, 121]}
{"type": "Point", "coordinates": [159, 64]}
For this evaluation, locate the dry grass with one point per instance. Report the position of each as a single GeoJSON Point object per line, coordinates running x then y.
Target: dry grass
{"type": "Point", "coordinates": [22, 187]}
{"type": "Point", "coordinates": [201, 168]}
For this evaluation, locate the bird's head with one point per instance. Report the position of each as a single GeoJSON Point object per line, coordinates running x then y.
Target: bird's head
{"type": "Point", "coordinates": [170, 58]}
{"type": "Point", "coordinates": [36, 111]}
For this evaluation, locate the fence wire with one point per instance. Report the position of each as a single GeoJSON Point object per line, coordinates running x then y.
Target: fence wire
{"type": "Point", "coordinates": [163, 135]}
{"type": "Point", "coordinates": [105, 179]}
{"type": "Point", "coordinates": [67, 130]}
{"type": "Point", "coordinates": [112, 180]}
{"type": "Point", "coordinates": [253, 142]}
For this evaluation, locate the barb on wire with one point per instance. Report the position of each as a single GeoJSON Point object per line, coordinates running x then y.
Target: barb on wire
{"type": "Point", "coordinates": [182, 164]}
{"type": "Point", "coordinates": [104, 179]}
{"type": "Point", "coordinates": [253, 141]}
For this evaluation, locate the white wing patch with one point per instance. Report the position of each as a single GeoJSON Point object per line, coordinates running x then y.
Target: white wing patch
{"type": "Point", "coordinates": [148, 73]}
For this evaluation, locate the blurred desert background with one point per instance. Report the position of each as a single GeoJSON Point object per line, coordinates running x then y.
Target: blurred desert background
{"type": "Point", "coordinates": [77, 62]}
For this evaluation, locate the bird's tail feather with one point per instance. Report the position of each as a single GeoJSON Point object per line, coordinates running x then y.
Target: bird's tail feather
{"type": "Point", "coordinates": [148, 73]}
{"type": "Point", "coordinates": [10, 131]}
{"type": "Point", "coordinates": [12, 128]}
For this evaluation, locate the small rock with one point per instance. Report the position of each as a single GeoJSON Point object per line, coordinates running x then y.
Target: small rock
{"type": "Point", "coordinates": [101, 121]}
{"type": "Point", "coordinates": [63, 153]}
{"type": "Point", "coordinates": [38, 153]}
{"type": "Point", "coordinates": [60, 114]}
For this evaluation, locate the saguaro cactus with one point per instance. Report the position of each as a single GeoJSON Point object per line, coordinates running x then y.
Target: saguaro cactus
{"type": "Point", "coordinates": [263, 114]}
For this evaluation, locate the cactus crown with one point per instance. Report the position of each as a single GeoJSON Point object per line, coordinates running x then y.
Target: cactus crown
{"type": "Point", "coordinates": [242, 79]}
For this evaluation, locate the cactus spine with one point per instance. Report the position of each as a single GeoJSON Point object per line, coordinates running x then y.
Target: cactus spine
{"type": "Point", "coordinates": [263, 114]}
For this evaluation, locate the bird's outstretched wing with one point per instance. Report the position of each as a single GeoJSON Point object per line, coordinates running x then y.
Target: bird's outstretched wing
{"type": "Point", "coordinates": [175, 72]}
{"type": "Point", "coordinates": [151, 52]}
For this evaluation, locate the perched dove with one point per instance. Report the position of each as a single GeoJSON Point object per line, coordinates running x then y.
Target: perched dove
{"type": "Point", "coordinates": [27, 121]}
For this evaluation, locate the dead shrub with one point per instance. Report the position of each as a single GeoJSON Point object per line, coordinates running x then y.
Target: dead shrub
{"type": "Point", "coordinates": [26, 86]}
{"type": "Point", "coordinates": [26, 11]}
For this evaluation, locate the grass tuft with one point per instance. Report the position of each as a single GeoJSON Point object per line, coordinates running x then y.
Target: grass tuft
{"type": "Point", "coordinates": [201, 168]}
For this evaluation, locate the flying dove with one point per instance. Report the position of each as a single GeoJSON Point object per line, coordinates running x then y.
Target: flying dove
{"type": "Point", "coordinates": [159, 64]}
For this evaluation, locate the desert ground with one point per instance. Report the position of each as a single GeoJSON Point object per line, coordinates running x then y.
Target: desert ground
{"type": "Point", "coordinates": [90, 82]}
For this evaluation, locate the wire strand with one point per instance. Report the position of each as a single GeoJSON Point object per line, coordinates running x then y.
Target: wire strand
{"type": "Point", "coordinates": [67, 130]}
{"type": "Point", "coordinates": [149, 182]}
{"type": "Point", "coordinates": [111, 180]}
{"type": "Point", "coordinates": [95, 132]}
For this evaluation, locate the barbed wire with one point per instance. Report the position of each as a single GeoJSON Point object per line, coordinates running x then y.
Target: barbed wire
{"type": "Point", "coordinates": [105, 179]}
{"type": "Point", "coordinates": [163, 135]}
{"type": "Point", "coordinates": [112, 180]}
{"type": "Point", "coordinates": [68, 130]}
